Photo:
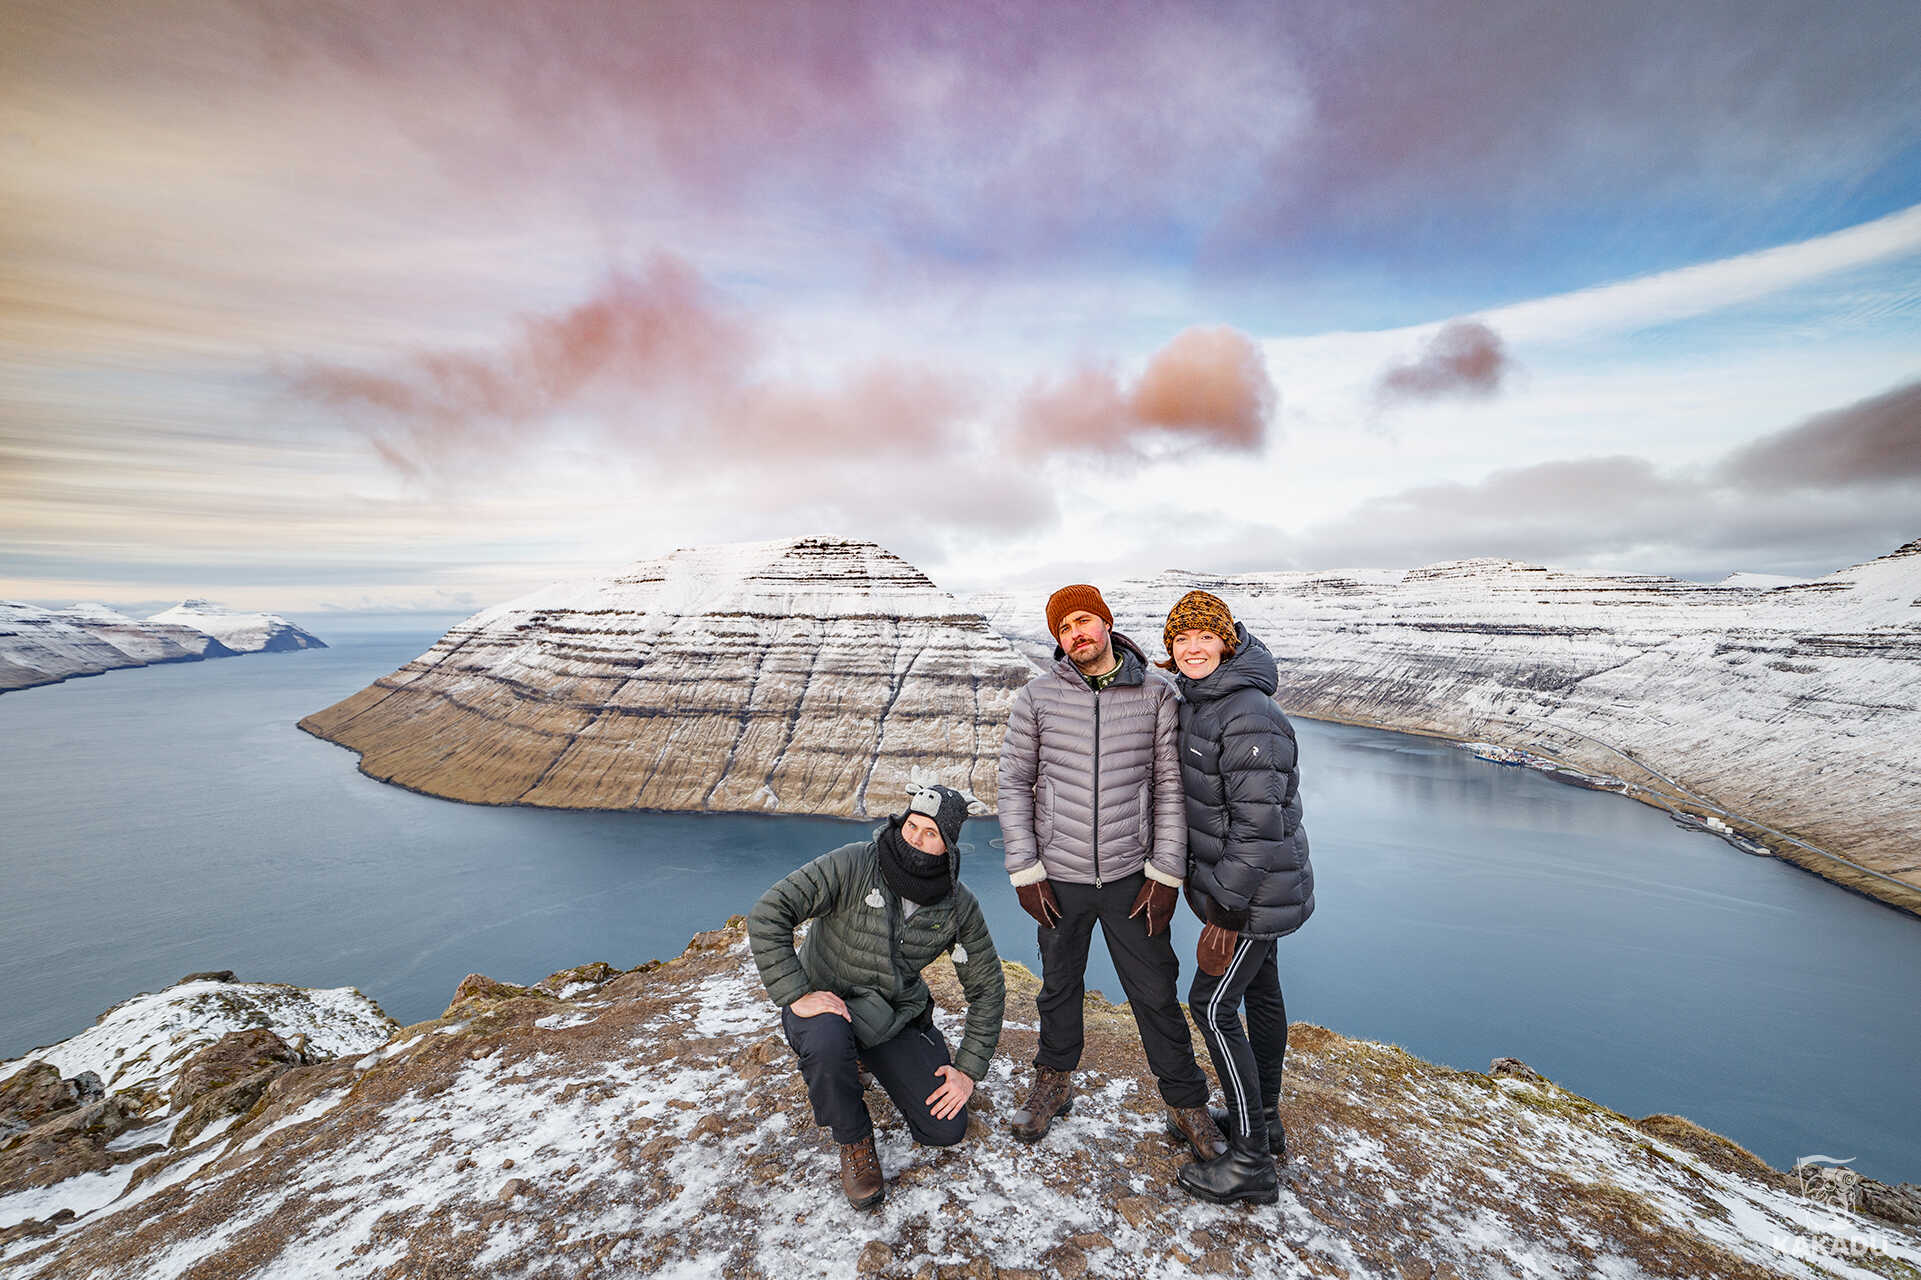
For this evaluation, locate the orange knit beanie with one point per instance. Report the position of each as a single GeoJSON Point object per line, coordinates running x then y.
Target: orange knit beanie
{"type": "Point", "coordinates": [1075, 599]}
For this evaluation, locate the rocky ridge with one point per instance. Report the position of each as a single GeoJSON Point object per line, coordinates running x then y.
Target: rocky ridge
{"type": "Point", "coordinates": [800, 676]}
{"type": "Point", "coordinates": [650, 1122]}
{"type": "Point", "coordinates": [1791, 712]}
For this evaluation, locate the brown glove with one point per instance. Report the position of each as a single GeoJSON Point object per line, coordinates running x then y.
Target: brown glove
{"type": "Point", "coordinates": [1157, 900]}
{"type": "Point", "coordinates": [1038, 900]}
{"type": "Point", "coordinates": [1215, 950]}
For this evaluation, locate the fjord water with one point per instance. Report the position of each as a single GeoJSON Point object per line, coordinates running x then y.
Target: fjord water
{"type": "Point", "coordinates": [164, 820]}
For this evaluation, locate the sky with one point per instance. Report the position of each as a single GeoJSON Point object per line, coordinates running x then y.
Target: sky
{"type": "Point", "coordinates": [355, 308]}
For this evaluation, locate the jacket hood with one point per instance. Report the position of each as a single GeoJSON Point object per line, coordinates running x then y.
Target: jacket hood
{"type": "Point", "coordinates": [1133, 661]}
{"type": "Point", "coordinates": [1250, 666]}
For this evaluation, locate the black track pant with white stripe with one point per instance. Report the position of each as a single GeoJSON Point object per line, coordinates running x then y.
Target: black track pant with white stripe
{"type": "Point", "coordinates": [1247, 1059]}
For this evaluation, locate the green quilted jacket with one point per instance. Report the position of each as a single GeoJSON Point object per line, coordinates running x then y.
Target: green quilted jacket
{"type": "Point", "coordinates": [861, 948]}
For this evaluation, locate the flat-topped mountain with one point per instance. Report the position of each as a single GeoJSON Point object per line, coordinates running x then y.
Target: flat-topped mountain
{"type": "Point", "coordinates": [1796, 708]}
{"type": "Point", "coordinates": [651, 1122]}
{"type": "Point", "coordinates": [807, 675]}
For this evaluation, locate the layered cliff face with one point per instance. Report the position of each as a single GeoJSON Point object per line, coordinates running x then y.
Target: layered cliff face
{"type": "Point", "coordinates": [38, 646]}
{"type": "Point", "coordinates": [44, 646]}
{"type": "Point", "coordinates": [1795, 708]}
{"type": "Point", "coordinates": [146, 642]}
{"type": "Point", "coordinates": [800, 676]}
{"type": "Point", "coordinates": [238, 631]}
{"type": "Point", "coordinates": [652, 1122]}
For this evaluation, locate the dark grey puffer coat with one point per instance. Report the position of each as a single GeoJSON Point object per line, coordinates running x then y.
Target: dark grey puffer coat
{"type": "Point", "coordinates": [864, 949]}
{"type": "Point", "coordinates": [1247, 850]}
{"type": "Point", "coordinates": [1061, 736]}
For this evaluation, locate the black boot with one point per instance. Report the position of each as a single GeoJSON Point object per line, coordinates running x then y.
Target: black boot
{"type": "Point", "coordinates": [1246, 1172]}
{"type": "Point", "coordinates": [1276, 1136]}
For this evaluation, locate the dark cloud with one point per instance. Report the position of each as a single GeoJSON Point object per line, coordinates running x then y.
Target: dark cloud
{"type": "Point", "coordinates": [1464, 358]}
{"type": "Point", "coordinates": [1209, 386]}
{"type": "Point", "coordinates": [1841, 488]}
{"type": "Point", "coordinates": [1874, 441]}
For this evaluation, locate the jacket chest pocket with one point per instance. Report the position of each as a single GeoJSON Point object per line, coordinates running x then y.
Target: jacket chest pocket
{"type": "Point", "coordinates": [925, 936]}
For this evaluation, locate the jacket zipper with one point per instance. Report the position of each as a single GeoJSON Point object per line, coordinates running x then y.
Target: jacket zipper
{"type": "Point", "coordinates": [1097, 788]}
{"type": "Point", "coordinates": [893, 939]}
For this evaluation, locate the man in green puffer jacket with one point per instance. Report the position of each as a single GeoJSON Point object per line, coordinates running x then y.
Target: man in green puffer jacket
{"type": "Point", "coordinates": [852, 995]}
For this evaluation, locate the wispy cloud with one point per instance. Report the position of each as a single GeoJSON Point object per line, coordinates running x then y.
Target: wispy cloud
{"type": "Point", "coordinates": [1681, 294]}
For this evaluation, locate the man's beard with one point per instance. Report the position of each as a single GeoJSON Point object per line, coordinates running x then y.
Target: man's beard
{"type": "Point", "coordinates": [1099, 664]}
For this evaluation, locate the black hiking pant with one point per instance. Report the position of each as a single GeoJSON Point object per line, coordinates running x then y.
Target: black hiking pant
{"type": "Point", "coordinates": [1248, 1061]}
{"type": "Point", "coordinates": [830, 1063]}
{"type": "Point", "coordinates": [1149, 975]}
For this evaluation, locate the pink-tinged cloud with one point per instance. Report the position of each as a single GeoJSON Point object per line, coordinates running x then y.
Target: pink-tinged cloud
{"type": "Point", "coordinates": [656, 366]}
{"type": "Point", "coordinates": [1464, 358]}
{"type": "Point", "coordinates": [1208, 387]}
{"type": "Point", "coordinates": [655, 333]}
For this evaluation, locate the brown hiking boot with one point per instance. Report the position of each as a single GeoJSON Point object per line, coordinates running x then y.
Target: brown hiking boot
{"type": "Point", "coordinates": [860, 1173]}
{"type": "Point", "coordinates": [1198, 1127]}
{"type": "Point", "coordinates": [1052, 1095]}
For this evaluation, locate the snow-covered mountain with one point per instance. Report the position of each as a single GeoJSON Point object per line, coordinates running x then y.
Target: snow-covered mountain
{"type": "Point", "coordinates": [240, 632]}
{"type": "Point", "coordinates": [44, 646]}
{"type": "Point", "coordinates": [149, 642]}
{"type": "Point", "coordinates": [652, 1122]}
{"type": "Point", "coordinates": [38, 646]}
{"type": "Point", "coordinates": [800, 676]}
{"type": "Point", "coordinates": [1795, 708]}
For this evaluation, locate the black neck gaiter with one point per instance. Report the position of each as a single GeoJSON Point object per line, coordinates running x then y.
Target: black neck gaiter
{"type": "Point", "coordinates": [921, 878]}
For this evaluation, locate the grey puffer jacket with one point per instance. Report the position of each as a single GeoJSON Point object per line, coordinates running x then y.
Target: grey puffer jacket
{"type": "Point", "coordinates": [866, 950]}
{"type": "Point", "coordinates": [1056, 822]}
{"type": "Point", "coordinates": [1247, 850]}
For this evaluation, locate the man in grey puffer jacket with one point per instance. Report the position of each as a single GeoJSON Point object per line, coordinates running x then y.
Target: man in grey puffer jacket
{"type": "Point", "coordinates": [1092, 816]}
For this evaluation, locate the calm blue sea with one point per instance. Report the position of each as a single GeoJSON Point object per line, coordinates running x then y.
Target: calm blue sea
{"type": "Point", "coordinates": [169, 819]}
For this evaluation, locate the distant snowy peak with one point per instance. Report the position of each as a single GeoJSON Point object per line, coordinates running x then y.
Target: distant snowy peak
{"type": "Point", "coordinates": [92, 611]}
{"type": "Point", "coordinates": [806, 675]}
{"type": "Point", "coordinates": [148, 642]}
{"type": "Point", "coordinates": [240, 632]}
{"type": "Point", "coordinates": [1758, 581]}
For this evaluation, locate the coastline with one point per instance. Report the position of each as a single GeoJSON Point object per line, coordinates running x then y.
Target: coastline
{"type": "Point", "coordinates": [1678, 801]}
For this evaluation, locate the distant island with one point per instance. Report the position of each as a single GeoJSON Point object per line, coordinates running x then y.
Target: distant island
{"type": "Point", "coordinates": [45, 646]}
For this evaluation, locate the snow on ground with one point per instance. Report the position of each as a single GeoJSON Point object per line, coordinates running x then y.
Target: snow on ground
{"type": "Point", "coordinates": [143, 1042]}
{"type": "Point", "coordinates": [662, 1130]}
